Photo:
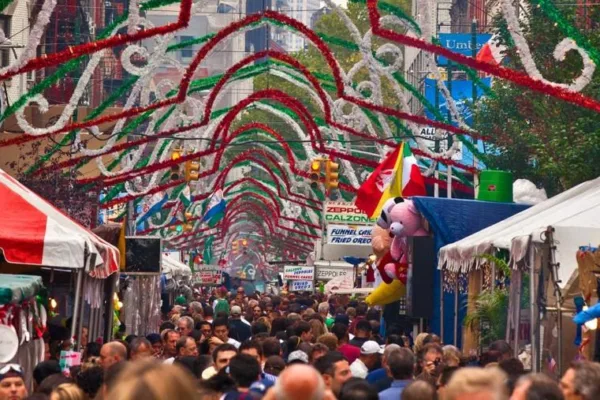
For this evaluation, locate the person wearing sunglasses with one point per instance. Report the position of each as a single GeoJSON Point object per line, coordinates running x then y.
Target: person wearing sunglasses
{"type": "Point", "coordinates": [12, 385]}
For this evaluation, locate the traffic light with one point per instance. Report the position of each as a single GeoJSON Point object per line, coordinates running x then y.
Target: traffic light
{"type": "Point", "coordinates": [235, 247]}
{"type": "Point", "coordinates": [176, 154]}
{"type": "Point", "coordinates": [188, 227]}
{"type": "Point", "coordinates": [175, 172]}
{"type": "Point", "coordinates": [315, 173]}
{"type": "Point", "coordinates": [331, 175]}
{"type": "Point", "coordinates": [191, 170]}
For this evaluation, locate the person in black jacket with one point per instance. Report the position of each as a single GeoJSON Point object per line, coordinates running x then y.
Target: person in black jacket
{"type": "Point", "coordinates": [239, 330]}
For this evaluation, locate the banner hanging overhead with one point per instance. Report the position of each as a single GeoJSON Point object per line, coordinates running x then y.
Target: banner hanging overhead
{"type": "Point", "coordinates": [349, 234]}
{"type": "Point", "coordinates": [339, 212]}
{"type": "Point", "coordinates": [461, 43]}
{"type": "Point", "coordinates": [298, 273]}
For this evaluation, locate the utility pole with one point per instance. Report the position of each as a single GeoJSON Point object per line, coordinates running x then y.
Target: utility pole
{"type": "Point", "coordinates": [449, 167]}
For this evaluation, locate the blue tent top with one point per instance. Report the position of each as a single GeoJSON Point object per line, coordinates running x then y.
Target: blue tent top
{"type": "Point", "coordinates": [452, 220]}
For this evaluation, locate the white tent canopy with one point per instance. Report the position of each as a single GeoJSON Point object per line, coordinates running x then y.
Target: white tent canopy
{"type": "Point", "coordinates": [173, 267]}
{"type": "Point", "coordinates": [574, 215]}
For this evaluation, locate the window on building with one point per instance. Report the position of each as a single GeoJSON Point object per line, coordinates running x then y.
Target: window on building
{"type": "Point", "coordinates": [5, 53]}
{"type": "Point", "coordinates": [225, 9]}
{"type": "Point", "coordinates": [187, 52]}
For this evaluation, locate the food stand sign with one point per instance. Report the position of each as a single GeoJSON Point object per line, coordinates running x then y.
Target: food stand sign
{"type": "Point", "coordinates": [356, 235]}
{"type": "Point", "coordinates": [341, 212]}
{"type": "Point", "coordinates": [301, 286]}
{"type": "Point", "coordinates": [298, 273]}
{"type": "Point", "coordinates": [328, 273]}
{"type": "Point", "coordinates": [208, 275]}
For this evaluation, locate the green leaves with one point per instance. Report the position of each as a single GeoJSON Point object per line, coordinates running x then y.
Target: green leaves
{"type": "Point", "coordinates": [554, 144]}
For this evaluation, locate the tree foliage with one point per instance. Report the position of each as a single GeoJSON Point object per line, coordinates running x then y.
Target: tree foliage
{"type": "Point", "coordinates": [554, 144]}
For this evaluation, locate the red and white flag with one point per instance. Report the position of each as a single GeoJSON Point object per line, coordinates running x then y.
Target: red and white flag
{"type": "Point", "coordinates": [492, 51]}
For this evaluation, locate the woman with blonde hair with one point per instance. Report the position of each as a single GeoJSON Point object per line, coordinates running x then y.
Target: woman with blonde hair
{"type": "Point", "coordinates": [476, 383]}
{"type": "Point", "coordinates": [153, 381]}
{"type": "Point", "coordinates": [317, 328]}
{"type": "Point", "coordinates": [67, 391]}
{"type": "Point", "coordinates": [418, 345]}
{"type": "Point", "coordinates": [451, 356]}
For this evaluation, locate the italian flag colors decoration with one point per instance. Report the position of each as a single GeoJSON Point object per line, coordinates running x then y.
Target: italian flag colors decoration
{"type": "Point", "coordinates": [397, 176]}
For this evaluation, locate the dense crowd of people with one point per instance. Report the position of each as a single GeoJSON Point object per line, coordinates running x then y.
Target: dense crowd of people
{"type": "Point", "coordinates": [239, 346]}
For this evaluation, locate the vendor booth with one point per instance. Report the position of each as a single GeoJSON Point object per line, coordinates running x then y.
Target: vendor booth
{"type": "Point", "coordinates": [34, 235]}
{"type": "Point", "coordinates": [542, 242]}
{"type": "Point", "coordinates": [24, 319]}
{"type": "Point", "coordinates": [450, 220]}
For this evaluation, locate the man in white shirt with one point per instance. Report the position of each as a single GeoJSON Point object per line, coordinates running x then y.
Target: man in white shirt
{"type": "Point", "coordinates": [370, 353]}
{"type": "Point", "coordinates": [221, 332]}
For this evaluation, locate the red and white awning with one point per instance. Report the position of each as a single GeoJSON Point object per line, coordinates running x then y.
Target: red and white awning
{"type": "Point", "coordinates": [34, 232]}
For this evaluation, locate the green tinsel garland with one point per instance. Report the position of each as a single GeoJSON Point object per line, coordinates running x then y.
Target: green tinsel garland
{"type": "Point", "coordinates": [568, 29]}
{"type": "Point", "coordinates": [397, 11]}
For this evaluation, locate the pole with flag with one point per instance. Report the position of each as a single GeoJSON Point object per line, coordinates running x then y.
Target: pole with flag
{"type": "Point", "coordinates": [215, 209]}
{"type": "Point", "coordinates": [397, 176]}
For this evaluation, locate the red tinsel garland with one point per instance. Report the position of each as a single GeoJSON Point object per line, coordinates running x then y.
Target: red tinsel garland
{"type": "Point", "coordinates": [264, 188]}
{"type": "Point", "coordinates": [222, 35]}
{"type": "Point", "coordinates": [48, 60]}
{"type": "Point", "coordinates": [253, 208]}
{"type": "Point", "coordinates": [501, 72]}
{"type": "Point", "coordinates": [266, 216]}
{"type": "Point", "coordinates": [249, 195]}
{"type": "Point", "coordinates": [224, 125]}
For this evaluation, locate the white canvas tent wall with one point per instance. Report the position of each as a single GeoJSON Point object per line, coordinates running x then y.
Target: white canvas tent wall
{"type": "Point", "coordinates": [574, 215]}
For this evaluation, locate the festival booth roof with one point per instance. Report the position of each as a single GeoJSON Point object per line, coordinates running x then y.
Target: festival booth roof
{"type": "Point", "coordinates": [451, 220]}
{"type": "Point", "coordinates": [574, 215]}
{"type": "Point", "coordinates": [33, 232]}
{"type": "Point", "coordinates": [174, 268]}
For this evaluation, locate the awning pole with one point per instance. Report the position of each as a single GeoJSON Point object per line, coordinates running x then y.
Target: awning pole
{"type": "Point", "coordinates": [442, 304]}
{"type": "Point", "coordinates": [533, 310]}
{"type": "Point", "coordinates": [557, 293]}
{"type": "Point", "coordinates": [81, 311]}
{"type": "Point", "coordinates": [77, 301]}
{"type": "Point", "coordinates": [92, 325]}
{"type": "Point", "coordinates": [109, 306]}
{"type": "Point", "coordinates": [517, 311]}
{"type": "Point", "coordinates": [456, 312]}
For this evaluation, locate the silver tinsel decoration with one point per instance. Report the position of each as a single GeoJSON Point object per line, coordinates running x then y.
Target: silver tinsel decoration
{"type": "Point", "coordinates": [141, 305]}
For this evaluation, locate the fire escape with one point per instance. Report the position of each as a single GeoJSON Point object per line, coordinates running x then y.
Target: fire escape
{"type": "Point", "coordinates": [76, 22]}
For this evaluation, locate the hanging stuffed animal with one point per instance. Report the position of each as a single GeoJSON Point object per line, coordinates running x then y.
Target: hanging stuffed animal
{"type": "Point", "coordinates": [402, 220]}
{"type": "Point", "coordinates": [384, 293]}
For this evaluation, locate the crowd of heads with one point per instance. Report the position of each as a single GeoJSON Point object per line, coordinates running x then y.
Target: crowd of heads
{"type": "Point", "coordinates": [234, 346]}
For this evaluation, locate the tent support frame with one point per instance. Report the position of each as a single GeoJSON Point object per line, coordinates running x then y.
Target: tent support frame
{"type": "Point", "coordinates": [456, 288]}
{"type": "Point", "coordinates": [442, 303]}
{"type": "Point", "coordinates": [77, 303]}
{"type": "Point", "coordinates": [534, 312]}
{"type": "Point", "coordinates": [557, 292]}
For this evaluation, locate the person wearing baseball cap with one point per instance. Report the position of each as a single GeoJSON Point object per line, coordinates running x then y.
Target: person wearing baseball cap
{"type": "Point", "coordinates": [370, 354]}
{"type": "Point", "coordinates": [238, 330]}
{"type": "Point", "coordinates": [12, 385]}
{"type": "Point", "coordinates": [297, 357]}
